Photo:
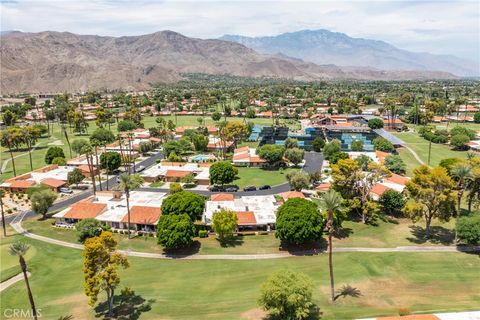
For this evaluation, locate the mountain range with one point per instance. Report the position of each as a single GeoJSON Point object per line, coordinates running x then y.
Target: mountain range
{"type": "Point", "coordinates": [326, 47]}
{"type": "Point", "coordinates": [62, 61]}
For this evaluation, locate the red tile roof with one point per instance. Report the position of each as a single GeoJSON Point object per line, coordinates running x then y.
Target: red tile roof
{"type": "Point", "coordinates": [22, 184]}
{"type": "Point", "coordinates": [176, 173]}
{"type": "Point", "coordinates": [323, 186]}
{"type": "Point", "coordinates": [222, 197]}
{"type": "Point", "coordinates": [398, 179]}
{"type": "Point", "coordinates": [54, 183]}
{"type": "Point", "coordinates": [143, 215]}
{"type": "Point", "coordinates": [379, 189]}
{"type": "Point", "coordinates": [84, 210]}
{"type": "Point", "coordinates": [291, 194]}
{"type": "Point", "coordinates": [246, 218]}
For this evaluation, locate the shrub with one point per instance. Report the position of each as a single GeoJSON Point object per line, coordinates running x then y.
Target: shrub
{"type": "Point", "coordinates": [59, 161]}
{"type": "Point", "coordinates": [462, 130]}
{"type": "Point", "coordinates": [357, 145]}
{"type": "Point", "coordinates": [203, 234]}
{"type": "Point", "coordinates": [126, 125]}
{"type": "Point", "coordinates": [375, 123]}
{"type": "Point", "coordinates": [224, 223]}
{"type": "Point", "coordinates": [382, 144]}
{"type": "Point", "coordinates": [89, 228]}
{"type": "Point", "coordinates": [331, 148]}
{"type": "Point", "coordinates": [395, 164]}
{"type": "Point", "coordinates": [175, 187]}
{"type": "Point", "coordinates": [287, 295]}
{"type": "Point", "coordinates": [334, 158]}
{"type": "Point", "coordinates": [459, 141]}
{"type": "Point", "coordinates": [468, 229]}
{"type": "Point", "coordinates": [318, 144]}
{"type": "Point", "coordinates": [52, 153]}
{"type": "Point", "coordinates": [392, 202]}
{"type": "Point", "coordinates": [476, 117]}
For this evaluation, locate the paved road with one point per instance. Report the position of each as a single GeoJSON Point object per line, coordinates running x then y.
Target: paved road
{"type": "Point", "coordinates": [7, 283]}
{"type": "Point", "coordinates": [82, 195]}
{"type": "Point", "coordinates": [18, 227]}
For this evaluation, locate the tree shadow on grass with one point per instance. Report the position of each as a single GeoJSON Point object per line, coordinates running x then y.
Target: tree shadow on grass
{"type": "Point", "coordinates": [231, 242]}
{"type": "Point", "coordinates": [343, 233]}
{"type": "Point", "coordinates": [126, 306]}
{"type": "Point", "coordinates": [194, 248]}
{"type": "Point", "coordinates": [438, 235]}
{"type": "Point", "coordinates": [306, 249]}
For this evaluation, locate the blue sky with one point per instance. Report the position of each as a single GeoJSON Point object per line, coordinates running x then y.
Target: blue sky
{"type": "Point", "coordinates": [443, 27]}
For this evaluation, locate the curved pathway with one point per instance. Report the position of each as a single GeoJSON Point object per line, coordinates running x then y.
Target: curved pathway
{"type": "Point", "coordinates": [7, 283]}
{"type": "Point", "coordinates": [415, 155]}
{"type": "Point", "coordinates": [18, 227]}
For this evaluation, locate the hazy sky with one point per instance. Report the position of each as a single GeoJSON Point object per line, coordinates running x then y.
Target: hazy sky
{"type": "Point", "coordinates": [448, 27]}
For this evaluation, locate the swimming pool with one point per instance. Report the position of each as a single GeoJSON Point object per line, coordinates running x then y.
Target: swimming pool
{"type": "Point", "coordinates": [200, 157]}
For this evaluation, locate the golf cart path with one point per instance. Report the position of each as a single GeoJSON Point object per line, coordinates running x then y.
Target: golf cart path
{"type": "Point", "coordinates": [7, 283]}
{"type": "Point", "coordinates": [415, 155]}
{"type": "Point", "coordinates": [6, 161]}
{"type": "Point", "coordinates": [18, 228]}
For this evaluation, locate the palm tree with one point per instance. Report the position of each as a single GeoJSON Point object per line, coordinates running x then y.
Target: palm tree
{"type": "Point", "coordinates": [332, 202]}
{"type": "Point", "coordinates": [2, 194]}
{"type": "Point", "coordinates": [87, 149]}
{"type": "Point", "coordinates": [462, 173]}
{"type": "Point", "coordinates": [64, 130]}
{"type": "Point", "coordinates": [20, 249]}
{"type": "Point", "coordinates": [127, 183]}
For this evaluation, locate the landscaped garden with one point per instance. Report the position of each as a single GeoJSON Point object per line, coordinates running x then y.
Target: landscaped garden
{"type": "Point", "coordinates": [214, 289]}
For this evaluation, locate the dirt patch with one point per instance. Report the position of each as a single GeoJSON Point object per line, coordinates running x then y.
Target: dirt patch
{"type": "Point", "coordinates": [56, 143]}
{"type": "Point", "coordinates": [78, 304]}
{"type": "Point", "coordinates": [254, 314]}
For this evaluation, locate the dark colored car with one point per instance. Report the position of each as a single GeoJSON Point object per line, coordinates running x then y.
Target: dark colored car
{"type": "Point", "coordinates": [250, 188]}
{"type": "Point", "coordinates": [215, 189]}
{"type": "Point", "coordinates": [265, 187]}
{"type": "Point", "coordinates": [231, 189]}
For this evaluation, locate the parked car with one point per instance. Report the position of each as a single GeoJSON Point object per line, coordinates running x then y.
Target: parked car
{"type": "Point", "coordinates": [139, 168]}
{"type": "Point", "coordinates": [65, 190]}
{"type": "Point", "coordinates": [250, 188]}
{"type": "Point", "coordinates": [231, 189]}
{"type": "Point", "coordinates": [215, 189]}
{"type": "Point", "coordinates": [264, 187]}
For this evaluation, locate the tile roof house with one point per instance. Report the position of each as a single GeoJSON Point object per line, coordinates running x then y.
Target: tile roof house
{"type": "Point", "coordinates": [291, 195]}
{"type": "Point", "coordinates": [246, 156]}
{"type": "Point", "coordinates": [83, 210]}
{"type": "Point", "coordinates": [143, 215]}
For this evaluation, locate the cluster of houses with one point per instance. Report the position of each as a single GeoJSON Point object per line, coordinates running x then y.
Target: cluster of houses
{"type": "Point", "coordinates": [110, 207]}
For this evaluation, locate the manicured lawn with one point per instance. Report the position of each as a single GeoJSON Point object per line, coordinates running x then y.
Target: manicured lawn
{"type": "Point", "coordinates": [420, 146]}
{"type": "Point", "coordinates": [258, 176]}
{"type": "Point", "coordinates": [221, 289]}
{"type": "Point", "coordinates": [9, 265]}
{"type": "Point", "coordinates": [355, 234]}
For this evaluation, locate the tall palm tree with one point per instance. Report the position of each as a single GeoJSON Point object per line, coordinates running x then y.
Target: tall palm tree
{"type": "Point", "coordinates": [88, 150]}
{"type": "Point", "coordinates": [462, 173]}
{"type": "Point", "coordinates": [128, 183]}
{"type": "Point", "coordinates": [332, 202]}
{"type": "Point", "coordinates": [19, 249]}
{"type": "Point", "coordinates": [2, 194]}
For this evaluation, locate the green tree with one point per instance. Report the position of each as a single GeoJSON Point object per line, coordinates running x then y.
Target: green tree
{"type": "Point", "coordinates": [291, 143]}
{"type": "Point", "coordinates": [375, 123]}
{"type": "Point", "coordinates": [126, 125]}
{"type": "Point", "coordinates": [145, 147]}
{"type": "Point", "coordinates": [222, 173]}
{"type": "Point", "coordinates": [11, 138]}
{"type": "Point", "coordinates": [175, 231]}
{"type": "Point", "coordinates": [392, 202]}
{"type": "Point", "coordinates": [216, 116]}
{"type": "Point", "coordinates": [2, 194]}
{"type": "Point", "coordinates": [19, 249]}
{"type": "Point", "coordinates": [128, 183]}
{"type": "Point", "coordinates": [110, 161]}
{"type": "Point", "coordinates": [382, 144]}
{"type": "Point", "coordinates": [331, 148]}
{"type": "Point", "coordinates": [200, 142]}
{"type": "Point", "coordinates": [294, 155]}
{"type": "Point", "coordinates": [30, 136]}
{"type": "Point", "coordinates": [462, 130]}
{"type": "Point", "coordinates": [357, 145]}
{"type": "Point", "coordinates": [298, 222]}
{"type": "Point", "coordinates": [462, 173]}
{"type": "Point", "coordinates": [395, 164]}
{"type": "Point", "coordinates": [175, 187]}
{"type": "Point", "coordinates": [476, 117]}
{"type": "Point", "coordinates": [78, 145]}
{"type": "Point", "coordinates": [173, 157]}
{"type": "Point", "coordinates": [224, 223]}
{"type": "Point", "coordinates": [468, 229]}
{"type": "Point", "coordinates": [363, 161]}
{"type": "Point", "coordinates": [89, 228]}
{"type": "Point", "coordinates": [75, 177]}
{"type": "Point", "coordinates": [287, 295]}
{"type": "Point", "coordinates": [271, 153]}
{"type": "Point", "coordinates": [9, 118]}
{"type": "Point", "coordinates": [298, 180]}
{"type": "Point", "coordinates": [42, 201]}
{"type": "Point", "coordinates": [184, 202]}
{"type": "Point", "coordinates": [332, 203]}
{"type": "Point", "coordinates": [100, 268]}
{"type": "Point", "coordinates": [59, 161]}
{"type": "Point", "coordinates": [318, 144]}
{"type": "Point", "coordinates": [52, 153]}
{"type": "Point", "coordinates": [432, 195]}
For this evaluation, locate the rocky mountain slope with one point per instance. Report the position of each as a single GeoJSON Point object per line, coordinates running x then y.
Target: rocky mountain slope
{"type": "Point", "coordinates": [61, 61]}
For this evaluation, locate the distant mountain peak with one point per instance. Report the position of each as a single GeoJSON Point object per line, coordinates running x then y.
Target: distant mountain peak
{"type": "Point", "coordinates": [322, 47]}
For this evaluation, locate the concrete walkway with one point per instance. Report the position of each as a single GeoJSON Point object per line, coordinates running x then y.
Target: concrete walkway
{"type": "Point", "coordinates": [6, 161]}
{"type": "Point", "coordinates": [18, 227]}
{"type": "Point", "coordinates": [7, 283]}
